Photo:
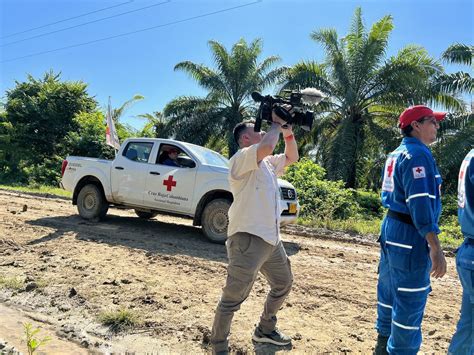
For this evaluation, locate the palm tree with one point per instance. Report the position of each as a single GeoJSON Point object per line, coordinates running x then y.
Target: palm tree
{"type": "Point", "coordinates": [366, 92]}
{"type": "Point", "coordinates": [456, 136]}
{"type": "Point", "coordinates": [237, 74]}
{"type": "Point", "coordinates": [155, 125]}
{"type": "Point", "coordinates": [125, 131]}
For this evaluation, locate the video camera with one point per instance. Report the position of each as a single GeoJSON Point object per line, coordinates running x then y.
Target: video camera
{"type": "Point", "coordinates": [298, 100]}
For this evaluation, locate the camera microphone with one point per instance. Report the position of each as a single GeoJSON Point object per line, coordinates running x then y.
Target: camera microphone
{"type": "Point", "coordinates": [311, 96]}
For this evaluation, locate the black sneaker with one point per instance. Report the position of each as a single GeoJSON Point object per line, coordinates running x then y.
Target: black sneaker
{"type": "Point", "coordinates": [275, 337]}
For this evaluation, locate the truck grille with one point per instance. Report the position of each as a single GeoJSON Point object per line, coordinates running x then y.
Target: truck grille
{"type": "Point", "coordinates": [288, 194]}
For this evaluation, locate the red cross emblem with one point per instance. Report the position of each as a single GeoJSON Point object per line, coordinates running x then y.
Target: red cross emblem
{"type": "Point", "coordinates": [169, 183]}
{"type": "Point", "coordinates": [390, 168]}
{"type": "Point", "coordinates": [461, 174]}
{"type": "Point", "coordinates": [419, 170]}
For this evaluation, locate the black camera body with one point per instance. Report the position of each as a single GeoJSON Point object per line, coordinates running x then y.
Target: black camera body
{"type": "Point", "coordinates": [299, 102]}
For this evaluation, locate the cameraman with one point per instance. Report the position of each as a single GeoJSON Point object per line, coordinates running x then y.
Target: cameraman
{"type": "Point", "coordinates": [254, 242]}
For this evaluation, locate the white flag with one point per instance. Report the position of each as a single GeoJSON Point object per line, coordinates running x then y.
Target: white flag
{"type": "Point", "coordinates": [111, 137]}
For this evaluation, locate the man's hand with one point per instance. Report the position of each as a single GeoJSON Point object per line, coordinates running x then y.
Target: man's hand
{"type": "Point", "coordinates": [278, 119]}
{"type": "Point", "coordinates": [438, 261]}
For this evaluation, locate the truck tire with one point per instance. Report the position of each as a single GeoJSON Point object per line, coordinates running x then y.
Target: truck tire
{"type": "Point", "coordinates": [91, 203]}
{"type": "Point", "coordinates": [145, 214]}
{"type": "Point", "coordinates": [215, 220]}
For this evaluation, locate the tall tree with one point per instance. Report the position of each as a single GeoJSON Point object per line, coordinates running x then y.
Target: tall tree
{"type": "Point", "coordinates": [457, 133]}
{"type": "Point", "coordinates": [154, 126]}
{"type": "Point", "coordinates": [41, 112]}
{"type": "Point", "coordinates": [366, 92]}
{"type": "Point", "coordinates": [236, 75]}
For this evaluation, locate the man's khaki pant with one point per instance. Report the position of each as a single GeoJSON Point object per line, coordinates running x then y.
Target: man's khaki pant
{"type": "Point", "coordinates": [249, 254]}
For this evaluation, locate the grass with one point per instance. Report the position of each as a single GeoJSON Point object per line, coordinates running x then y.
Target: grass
{"type": "Point", "coordinates": [11, 283]}
{"type": "Point", "coordinates": [41, 189]}
{"type": "Point", "coordinates": [359, 226]}
{"type": "Point", "coordinates": [450, 237]}
{"type": "Point", "coordinates": [119, 320]}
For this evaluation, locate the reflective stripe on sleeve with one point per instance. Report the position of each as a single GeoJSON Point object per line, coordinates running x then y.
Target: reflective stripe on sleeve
{"type": "Point", "coordinates": [406, 246]}
{"type": "Point", "coordinates": [384, 305]}
{"type": "Point", "coordinates": [404, 289]}
{"type": "Point", "coordinates": [405, 326]}
{"type": "Point", "coordinates": [420, 195]}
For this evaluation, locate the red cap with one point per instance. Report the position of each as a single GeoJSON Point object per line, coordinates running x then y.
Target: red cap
{"type": "Point", "coordinates": [414, 113]}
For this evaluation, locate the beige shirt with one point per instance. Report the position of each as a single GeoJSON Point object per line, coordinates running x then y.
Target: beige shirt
{"type": "Point", "coordinates": [256, 206]}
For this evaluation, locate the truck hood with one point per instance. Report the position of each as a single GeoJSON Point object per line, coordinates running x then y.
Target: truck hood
{"type": "Point", "coordinates": [218, 169]}
{"type": "Point", "coordinates": [284, 183]}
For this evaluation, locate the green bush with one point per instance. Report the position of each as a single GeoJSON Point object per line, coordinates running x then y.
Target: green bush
{"type": "Point", "coordinates": [320, 198]}
{"type": "Point", "coordinates": [450, 208]}
{"type": "Point", "coordinates": [369, 203]}
{"type": "Point", "coordinates": [46, 172]}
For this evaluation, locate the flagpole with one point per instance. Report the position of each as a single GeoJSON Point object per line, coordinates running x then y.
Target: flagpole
{"type": "Point", "coordinates": [111, 136]}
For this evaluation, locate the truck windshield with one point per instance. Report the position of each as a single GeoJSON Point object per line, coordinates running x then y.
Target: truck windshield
{"type": "Point", "coordinates": [210, 157]}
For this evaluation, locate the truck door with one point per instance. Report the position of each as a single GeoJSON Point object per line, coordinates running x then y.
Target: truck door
{"type": "Point", "coordinates": [129, 171]}
{"type": "Point", "coordinates": [170, 180]}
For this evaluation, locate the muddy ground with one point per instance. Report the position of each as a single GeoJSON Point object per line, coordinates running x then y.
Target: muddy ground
{"type": "Point", "coordinates": [168, 274]}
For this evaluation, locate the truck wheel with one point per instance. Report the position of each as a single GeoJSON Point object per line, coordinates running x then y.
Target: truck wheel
{"type": "Point", "coordinates": [91, 203]}
{"type": "Point", "coordinates": [145, 214]}
{"type": "Point", "coordinates": [215, 220]}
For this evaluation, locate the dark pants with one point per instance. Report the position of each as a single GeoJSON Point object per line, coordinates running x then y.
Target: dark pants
{"type": "Point", "coordinates": [249, 254]}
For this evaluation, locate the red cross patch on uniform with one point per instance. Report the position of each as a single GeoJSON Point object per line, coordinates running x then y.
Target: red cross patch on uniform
{"type": "Point", "coordinates": [388, 182]}
{"type": "Point", "coordinates": [419, 172]}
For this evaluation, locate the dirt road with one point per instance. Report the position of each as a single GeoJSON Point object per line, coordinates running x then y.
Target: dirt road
{"type": "Point", "coordinates": [166, 272]}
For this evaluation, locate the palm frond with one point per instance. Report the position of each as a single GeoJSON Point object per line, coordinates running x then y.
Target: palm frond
{"type": "Point", "coordinates": [118, 112]}
{"type": "Point", "coordinates": [459, 53]}
{"type": "Point", "coordinates": [454, 83]}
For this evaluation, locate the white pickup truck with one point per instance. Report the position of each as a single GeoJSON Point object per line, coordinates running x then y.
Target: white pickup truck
{"type": "Point", "coordinates": [155, 176]}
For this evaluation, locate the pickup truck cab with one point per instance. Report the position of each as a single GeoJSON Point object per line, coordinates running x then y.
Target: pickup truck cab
{"type": "Point", "coordinates": [152, 176]}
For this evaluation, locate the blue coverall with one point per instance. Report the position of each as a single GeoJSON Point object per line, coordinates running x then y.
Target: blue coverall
{"type": "Point", "coordinates": [411, 186]}
{"type": "Point", "coordinates": [463, 339]}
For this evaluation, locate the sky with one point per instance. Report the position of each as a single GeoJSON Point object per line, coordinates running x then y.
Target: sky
{"type": "Point", "coordinates": [125, 47]}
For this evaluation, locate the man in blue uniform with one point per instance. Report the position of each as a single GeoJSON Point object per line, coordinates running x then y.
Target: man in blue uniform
{"type": "Point", "coordinates": [463, 339]}
{"type": "Point", "coordinates": [410, 249]}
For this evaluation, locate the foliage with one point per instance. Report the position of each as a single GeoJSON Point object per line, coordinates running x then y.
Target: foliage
{"type": "Point", "coordinates": [125, 131]}
{"type": "Point", "coordinates": [38, 115]}
{"type": "Point", "coordinates": [46, 172]}
{"type": "Point", "coordinates": [366, 92]}
{"type": "Point", "coordinates": [155, 125]}
{"type": "Point", "coordinates": [369, 203]}
{"type": "Point", "coordinates": [358, 225]}
{"type": "Point", "coordinates": [456, 135]}
{"type": "Point", "coordinates": [42, 112]}
{"type": "Point", "coordinates": [119, 320]}
{"type": "Point", "coordinates": [38, 189]}
{"type": "Point", "coordinates": [319, 198]}
{"type": "Point", "coordinates": [89, 139]}
{"type": "Point", "coordinates": [451, 234]}
{"type": "Point", "coordinates": [11, 283]}
{"type": "Point", "coordinates": [32, 342]}
{"type": "Point", "coordinates": [229, 85]}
